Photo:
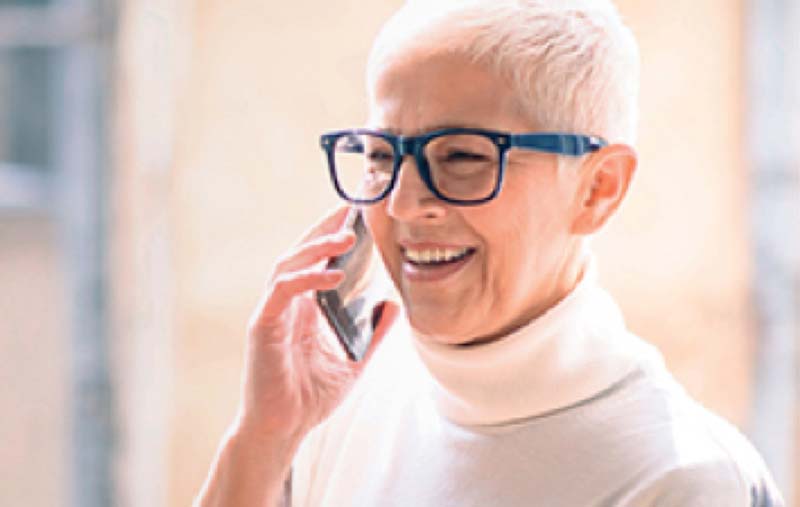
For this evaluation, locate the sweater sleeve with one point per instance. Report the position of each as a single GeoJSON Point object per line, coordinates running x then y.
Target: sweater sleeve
{"type": "Point", "coordinates": [304, 470]}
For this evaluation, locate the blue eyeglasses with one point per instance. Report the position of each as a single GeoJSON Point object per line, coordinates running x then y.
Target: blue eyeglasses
{"type": "Point", "coordinates": [461, 166]}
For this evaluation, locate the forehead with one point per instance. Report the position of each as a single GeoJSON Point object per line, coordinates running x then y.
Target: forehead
{"type": "Point", "coordinates": [415, 92]}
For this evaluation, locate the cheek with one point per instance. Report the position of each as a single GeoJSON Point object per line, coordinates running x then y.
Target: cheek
{"type": "Point", "coordinates": [502, 235]}
{"type": "Point", "coordinates": [377, 223]}
{"type": "Point", "coordinates": [373, 218]}
{"type": "Point", "coordinates": [520, 232]}
{"type": "Point", "coordinates": [537, 205]}
{"type": "Point", "coordinates": [379, 226]}
{"type": "Point", "coordinates": [508, 251]}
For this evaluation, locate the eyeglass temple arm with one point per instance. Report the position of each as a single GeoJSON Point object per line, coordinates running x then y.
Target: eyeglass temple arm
{"type": "Point", "coordinates": [560, 144]}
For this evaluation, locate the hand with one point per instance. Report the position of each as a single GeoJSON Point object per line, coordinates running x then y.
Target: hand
{"type": "Point", "coordinates": [295, 375]}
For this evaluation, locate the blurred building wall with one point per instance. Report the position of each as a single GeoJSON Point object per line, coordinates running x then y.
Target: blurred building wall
{"type": "Point", "coordinates": [220, 172]}
{"type": "Point", "coordinates": [34, 375]}
{"type": "Point", "coordinates": [44, 106]}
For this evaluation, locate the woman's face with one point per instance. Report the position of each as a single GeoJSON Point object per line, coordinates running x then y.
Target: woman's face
{"type": "Point", "coordinates": [521, 257]}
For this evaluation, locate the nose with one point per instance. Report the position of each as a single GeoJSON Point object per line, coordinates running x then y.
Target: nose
{"type": "Point", "coordinates": [411, 200]}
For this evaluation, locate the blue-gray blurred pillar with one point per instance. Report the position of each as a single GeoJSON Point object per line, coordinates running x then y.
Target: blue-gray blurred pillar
{"type": "Point", "coordinates": [773, 133]}
{"type": "Point", "coordinates": [81, 92]}
{"type": "Point", "coordinates": [79, 37]}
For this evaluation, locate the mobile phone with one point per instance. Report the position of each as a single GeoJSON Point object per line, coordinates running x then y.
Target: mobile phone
{"type": "Point", "coordinates": [350, 307]}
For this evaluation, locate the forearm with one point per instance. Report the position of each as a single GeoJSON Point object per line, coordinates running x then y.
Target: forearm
{"type": "Point", "coordinates": [247, 472]}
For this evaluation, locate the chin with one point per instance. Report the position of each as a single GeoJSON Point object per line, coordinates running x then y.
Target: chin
{"type": "Point", "coordinates": [438, 329]}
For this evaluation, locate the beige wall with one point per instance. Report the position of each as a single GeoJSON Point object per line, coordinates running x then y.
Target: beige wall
{"type": "Point", "coordinates": [152, 73]}
{"type": "Point", "coordinates": [677, 255]}
{"type": "Point", "coordinates": [256, 82]}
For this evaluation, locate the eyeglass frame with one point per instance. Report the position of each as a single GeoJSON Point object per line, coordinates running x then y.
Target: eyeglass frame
{"type": "Point", "coordinates": [558, 143]}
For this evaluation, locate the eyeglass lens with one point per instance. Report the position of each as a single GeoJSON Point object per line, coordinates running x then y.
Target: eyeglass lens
{"type": "Point", "coordinates": [462, 166]}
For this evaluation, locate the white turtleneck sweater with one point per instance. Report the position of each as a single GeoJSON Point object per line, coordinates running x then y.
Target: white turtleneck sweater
{"type": "Point", "coordinates": [571, 410]}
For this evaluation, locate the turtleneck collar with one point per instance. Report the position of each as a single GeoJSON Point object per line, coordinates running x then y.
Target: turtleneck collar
{"type": "Point", "coordinates": [576, 349]}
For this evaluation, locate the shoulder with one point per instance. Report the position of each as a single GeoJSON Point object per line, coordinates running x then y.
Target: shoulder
{"type": "Point", "coordinates": [717, 462]}
{"type": "Point", "coordinates": [706, 483]}
{"type": "Point", "coordinates": [686, 454]}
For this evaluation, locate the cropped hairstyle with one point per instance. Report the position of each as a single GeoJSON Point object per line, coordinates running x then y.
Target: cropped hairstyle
{"type": "Point", "coordinates": [573, 64]}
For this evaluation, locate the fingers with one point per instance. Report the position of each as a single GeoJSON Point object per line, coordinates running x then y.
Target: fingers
{"type": "Point", "coordinates": [286, 286]}
{"type": "Point", "coordinates": [318, 340]}
{"type": "Point", "coordinates": [330, 223]}
{"type": "Point", "coordinates": [296, 273]}
{"type": "Point", "coordinates": [331, 352]}
{"type": "Point", "coordinates": [316, 250]}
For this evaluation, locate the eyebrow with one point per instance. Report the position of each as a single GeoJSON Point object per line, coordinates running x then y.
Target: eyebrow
{"type": "Point", "coordinates": [395, 132]}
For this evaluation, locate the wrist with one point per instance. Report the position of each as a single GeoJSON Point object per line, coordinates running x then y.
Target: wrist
{"type": "Point", "coordinates": [252, 444]}
{"type": "Point", "coordinates": [250, 469]}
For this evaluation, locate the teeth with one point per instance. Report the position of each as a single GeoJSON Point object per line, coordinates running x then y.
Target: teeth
{"type": "Point", "coordinates": [432, 255]}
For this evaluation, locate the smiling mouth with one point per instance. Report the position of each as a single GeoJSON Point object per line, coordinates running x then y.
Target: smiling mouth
{"type": "Point", "coordinates": [435, 257]}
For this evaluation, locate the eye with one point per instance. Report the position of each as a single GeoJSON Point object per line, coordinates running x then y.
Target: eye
{"type": "Point", "coordinates": [379, 155]}
{"type": "Point", "coordinates": [464, 156]}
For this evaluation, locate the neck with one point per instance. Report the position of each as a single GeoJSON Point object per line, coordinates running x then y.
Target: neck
{"type": "Point", "coordinates": [572, 351]}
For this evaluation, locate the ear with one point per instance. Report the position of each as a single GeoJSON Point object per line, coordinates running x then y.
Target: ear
{"type": "Point", "coordinates": [605, 178]}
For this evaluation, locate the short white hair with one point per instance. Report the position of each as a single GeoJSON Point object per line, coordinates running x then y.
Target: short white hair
{"type": "Point", "coordinates": [573, 64]}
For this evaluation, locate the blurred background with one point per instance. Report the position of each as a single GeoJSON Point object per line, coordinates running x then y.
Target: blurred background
{"type": "Point", "coordinates": [157, 155]}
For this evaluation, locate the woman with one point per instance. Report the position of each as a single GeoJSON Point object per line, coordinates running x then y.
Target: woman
{"type": "Point", "coordinates": [499, 141]}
